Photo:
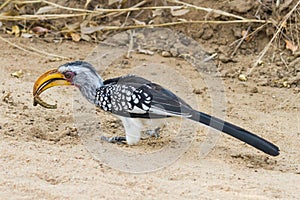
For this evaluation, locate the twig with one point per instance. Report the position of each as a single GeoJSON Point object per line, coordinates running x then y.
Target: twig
{"type": "Point", "coordinates": [134, 8]}
{"type": "Point", "coordinates": [284, 62]}
{"type": "Point", "coordinates": [116, 14]}
{"type": "Point", "coordinates": [182, 22]}
{"type": "Point", "coordinates": [122, 10]}
{"type": "Point", "coordinates": [40, 17]}
{"type": "Point", "coordinates": [66, 8]}
{"type": "Point", "coordinates": [209, 10]}
{"type": "Point", "coordinates": [59, 16]}
{"type": "Point", "coordinates": [240, 42]}
{"type": "Point", "coordinates": [282, 24]}
{"type": "Point", "coordinates": [89, 30]}
{"type": "Point", "coordinates": [297, 28]}
{"type": "Point", "coordinates": [101, 10]}
{"type": "Point", "coordinates": [27, 2]}
{"type": "Point", "coordinates": [5, 4]}
{"type": "Point", "coordinates": [130, 47]}
{"type": "Point", "coordinates": [87, 3]}
{"type": "Point", "coordinates": [49, 54]}
{"type": "Point", "coordinates": [33, 50]}
{"type": "Point", "coordinates": [54, 5]}
{"type": "Point", "coordinates": [210, 57]}
{"type": "Point", "coordinates": [17, 46]}
{"type": "Point", "coordinates": [249, 35]}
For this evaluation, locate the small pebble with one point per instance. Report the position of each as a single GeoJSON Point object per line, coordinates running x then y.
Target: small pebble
{"type": "Point", "coordinates": [286, 84]}
{"type": "Point", "coordinates": [224, 58]}
{"type": "Point", "coordinates": [242, 77]}
{"type": "Point", "coordinates": [254, 90]}
{"type": "Point", "coordinates": [197, 91]}
{"type": "Point", "coordinates": [165, 54]}
{"type": "Point", "coordinates": [298, 169]}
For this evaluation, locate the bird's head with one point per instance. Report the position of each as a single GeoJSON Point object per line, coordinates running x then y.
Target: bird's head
{"type": "Point", "coordinates": [79, 73]}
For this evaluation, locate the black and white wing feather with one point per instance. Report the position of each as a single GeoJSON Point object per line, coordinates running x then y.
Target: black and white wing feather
{"type": "Point", "coordinates": [133, 96]}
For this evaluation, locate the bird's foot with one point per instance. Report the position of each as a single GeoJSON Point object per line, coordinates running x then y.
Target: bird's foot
{"type": "Point", "coordinates": [153, 133]}
{"type": "Point", "coordinates": [116, 139]}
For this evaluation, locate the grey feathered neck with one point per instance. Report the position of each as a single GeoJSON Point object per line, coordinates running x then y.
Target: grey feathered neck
{"type": "Point", "coordinates": [86, 78]}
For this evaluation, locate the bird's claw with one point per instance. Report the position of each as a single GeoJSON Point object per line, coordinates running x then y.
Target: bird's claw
{"type": "Point", "coordinates": [116, 139]}
{"type": "Point", "coordinates": [153, 133]}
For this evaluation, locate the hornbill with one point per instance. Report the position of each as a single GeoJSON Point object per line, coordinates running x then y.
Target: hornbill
{"type": "Point", "coordinates": [131, 98]}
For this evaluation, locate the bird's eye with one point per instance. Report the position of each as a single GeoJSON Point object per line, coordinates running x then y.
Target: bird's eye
{"type": "Point", "coordinates": [69, 75]}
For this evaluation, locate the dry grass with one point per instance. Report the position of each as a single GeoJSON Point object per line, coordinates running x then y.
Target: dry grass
{"type": "Point", "coordinates": [34, 51]}
{"type": "Point", "coordinates": [88, 22]}
{"type": "Point", "coordinates": [282, 24]}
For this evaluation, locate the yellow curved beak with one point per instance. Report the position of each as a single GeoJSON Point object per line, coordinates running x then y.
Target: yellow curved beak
{"type": "Point", "coordinates": [47, 80]}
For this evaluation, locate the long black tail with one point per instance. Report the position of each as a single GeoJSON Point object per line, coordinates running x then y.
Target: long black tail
{"type": "Point", "coordinates": [236, 132]}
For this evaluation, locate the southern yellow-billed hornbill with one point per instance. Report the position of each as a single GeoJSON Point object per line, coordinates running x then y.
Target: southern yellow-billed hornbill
{"type": "Point", "coordinates": [131, 97]}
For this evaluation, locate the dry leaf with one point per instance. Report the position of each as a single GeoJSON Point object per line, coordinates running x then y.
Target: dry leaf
{"type": "Point", "coordinates": [179, 12]}
{"type": "Point", "coordinates": [15, 30]}
{"type": "Point", "coordinates": [10, 13]}
{"type": "Point", "coordinates": [137, 22]}
{"type": "Point", "coordinates": [88, 30]}
{"type": "Point", "coordinates": [246, 36]}
{"type": "Point", "coordinates": [17, 74]}
{"type": "Point", "coordinates": [45, 9]}
{"type": "Point", "coordinates": [157, 12]}
{"type": "Point", "coordinates": [75, 37]}
{"type": "Point", "coordinates": [85, 37]}
{"type": "Point", "coordinates": [289, 45]}
{"type": "Point", "coordinates": [40, 30]}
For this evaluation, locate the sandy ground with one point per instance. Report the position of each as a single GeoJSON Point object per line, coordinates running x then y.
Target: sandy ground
{"type": "Point", "coordinates": [42, 156]}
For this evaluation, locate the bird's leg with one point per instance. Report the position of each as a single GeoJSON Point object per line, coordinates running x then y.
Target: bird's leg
{"type": "Point", "coordinates": [153, 133]}
{"type": "Point", "coordinates": [132, 130]}
{"type": "Point", "coordinates": [116, 139]}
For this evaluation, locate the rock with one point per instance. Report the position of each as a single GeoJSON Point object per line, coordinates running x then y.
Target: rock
{"type": "Point", "coordinates": [197, 91]}
{"type": "Point", "coordinates": [254, 90]}
{"type": "Point", "coordinates": [173, 52]}
{"type": "Point", "coordinates": [237, 32]}
{"type": "Point", "coordinates": [198, 34]}
{"type": "Point", "coordinates": [241, 6]}
{"type": "Point", "coordinates": [208, 34]}
{"type": "Point", "coordinates": [165, 54]}
{"type": "Point", "coordinates": [242, 77]}
{"type": "Point", "coordinates": [224, 58]}
{"type": "Point", "coordinates": [211, 49]}
{"type": "Point", "coordinates": [264, 82]}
